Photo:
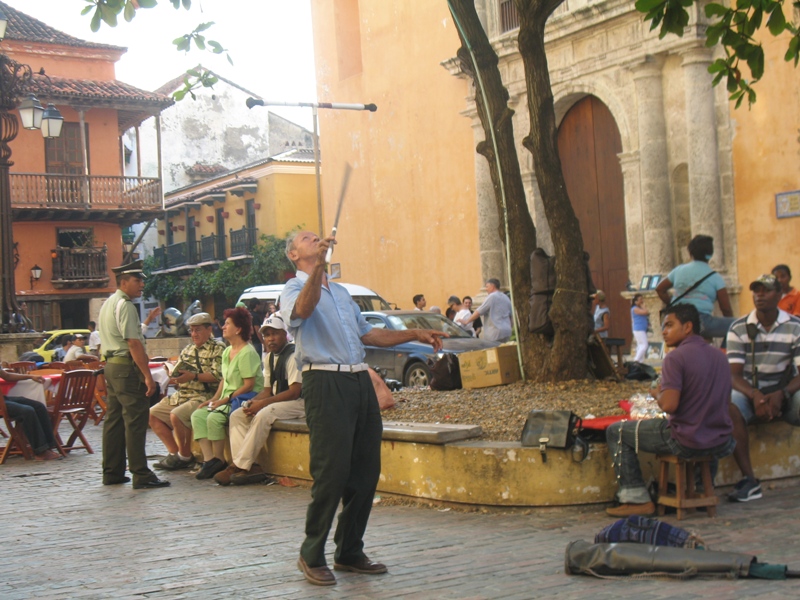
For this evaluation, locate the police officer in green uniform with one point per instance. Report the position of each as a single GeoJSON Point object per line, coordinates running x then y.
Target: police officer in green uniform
{"type": "Point", "coordinates": [129, 383]}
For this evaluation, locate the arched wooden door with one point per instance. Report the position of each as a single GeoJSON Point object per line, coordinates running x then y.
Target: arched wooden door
{"type": "Point", "coordinates": [588, 145]}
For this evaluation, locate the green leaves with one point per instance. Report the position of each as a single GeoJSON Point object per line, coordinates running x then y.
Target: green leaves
{"type": "Point", "coordinates": [230, 279]}
{"type": "Point", "coordinates": [734, 27]}
{"type": "Point", "coordinates": [195, 78]}
{"type": "Point", "coordinates": [107, 11]}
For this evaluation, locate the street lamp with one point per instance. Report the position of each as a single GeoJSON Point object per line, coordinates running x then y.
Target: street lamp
{"type": "Point", "coordinates": [31, 112]}
{"type": "Point", "coordinates": [16, 82]}
{"type": "Point", "coordinates": [36, 274]}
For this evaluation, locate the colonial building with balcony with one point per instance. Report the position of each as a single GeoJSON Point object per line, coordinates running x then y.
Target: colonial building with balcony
{"type": "Point", "coordinates": [222, 218]}
{"type": "Point", "coordinates": [70, 198]}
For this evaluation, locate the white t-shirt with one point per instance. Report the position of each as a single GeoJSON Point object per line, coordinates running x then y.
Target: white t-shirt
{"type": "Point", "coordinates": [94, 340]}
{"type": "Point", "coordinates": [463, 315]}
{"type": "Point", "coordinates": [293, 374]}
{"type": "Point", "coordinates": [74, 352]}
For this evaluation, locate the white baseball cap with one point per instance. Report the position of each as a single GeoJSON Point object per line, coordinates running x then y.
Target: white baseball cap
{"type": "Point", "coordinates": [274, 321]}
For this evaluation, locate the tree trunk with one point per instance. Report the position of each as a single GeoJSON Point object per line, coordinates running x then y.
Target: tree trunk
{"type": "Point", "coordinates": [565, 356]}
{"type": "Point", "coordinates": [494, 111]}
{"type": "Point", "coordinates": [570, 303]}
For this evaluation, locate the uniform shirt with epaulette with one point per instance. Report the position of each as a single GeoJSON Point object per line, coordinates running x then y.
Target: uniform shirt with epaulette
{"type": "Point", "coordinates": [118, 322]}
{"type": "Point", "coordinates": [204, 359]}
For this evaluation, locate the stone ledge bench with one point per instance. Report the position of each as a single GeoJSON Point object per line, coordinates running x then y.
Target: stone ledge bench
{"type": "Point", "coordinates": [423, 433]}
{"type": "Point", "coordinates": [490, 473]}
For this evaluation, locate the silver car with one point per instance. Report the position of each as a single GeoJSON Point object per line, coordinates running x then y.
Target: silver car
{"type": "Point", "coordinates": [407, 362]}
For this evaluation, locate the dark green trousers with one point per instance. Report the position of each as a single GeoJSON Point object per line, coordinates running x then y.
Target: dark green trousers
{"type": "Point", "coordinates": [125, 428]}
{"type": "Point", "coordinates": [345, 446]}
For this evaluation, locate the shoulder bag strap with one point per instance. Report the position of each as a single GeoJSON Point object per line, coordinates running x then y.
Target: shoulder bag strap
{"type": "Point", "coordinates": [200, 369]}
{"type": "Point", "coordinates": [694, 285]}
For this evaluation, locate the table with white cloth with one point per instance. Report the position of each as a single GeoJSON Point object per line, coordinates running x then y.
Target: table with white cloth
{"type": "Point", "coordinates": [30, 389]}
{"type": "Point", "coordinates": [38, 391]}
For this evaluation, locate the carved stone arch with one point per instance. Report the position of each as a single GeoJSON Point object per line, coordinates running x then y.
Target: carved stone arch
{"type": "Point", "coordinates": [566, 95]}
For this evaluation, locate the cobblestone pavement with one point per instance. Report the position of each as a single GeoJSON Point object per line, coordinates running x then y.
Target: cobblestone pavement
{"type": "Point", "coordinates": [64, 535]}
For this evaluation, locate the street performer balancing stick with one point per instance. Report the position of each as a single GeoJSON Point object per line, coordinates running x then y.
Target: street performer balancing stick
{"type": "Point", "coordinates": [342, 412]}
{"type": "Point", "coordinates": [345, 180]}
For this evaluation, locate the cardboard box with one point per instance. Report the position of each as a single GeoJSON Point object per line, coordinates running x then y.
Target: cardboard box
{"type": "Point", "coordinates": [485, 368]}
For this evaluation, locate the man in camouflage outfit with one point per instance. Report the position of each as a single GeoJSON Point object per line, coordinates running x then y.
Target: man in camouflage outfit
{"type": "Point", "coordinates": [197, 376]}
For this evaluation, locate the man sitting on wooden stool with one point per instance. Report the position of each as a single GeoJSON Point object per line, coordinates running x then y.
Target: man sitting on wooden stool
{"type": "Point", "coordinates": [695, 392]}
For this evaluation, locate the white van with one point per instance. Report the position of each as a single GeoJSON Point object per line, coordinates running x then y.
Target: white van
{"type": "Point", "coordinates": [364, 297]}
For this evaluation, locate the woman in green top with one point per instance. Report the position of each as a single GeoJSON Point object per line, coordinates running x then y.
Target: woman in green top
{"type": "Point", "coordinates": [242, 379]}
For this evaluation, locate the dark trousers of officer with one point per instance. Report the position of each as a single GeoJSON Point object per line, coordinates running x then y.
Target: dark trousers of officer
{"type": "Point", "coordinates": [125, 429]}
{"type": "Point", "coordinates": [345, 427]}
{"type": "Point", "coordinates": [35, 422]}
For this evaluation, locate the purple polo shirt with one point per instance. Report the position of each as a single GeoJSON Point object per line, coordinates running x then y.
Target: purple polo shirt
{"type": "Point", "coordinates": [702, 375]}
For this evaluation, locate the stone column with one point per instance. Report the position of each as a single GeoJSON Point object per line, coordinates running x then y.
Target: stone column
{"type": "Point", "coordinates": [653, 167]}
{"type": "Point", "coordinates": [703, 159]}
{"type": "Point", "coordinates": [491, 248]}
{"type": "Point", "coordinates": [634, 232]}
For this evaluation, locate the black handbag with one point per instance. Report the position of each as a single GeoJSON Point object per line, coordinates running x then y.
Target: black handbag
{"type": "Point", "coordinates": [553, 429]}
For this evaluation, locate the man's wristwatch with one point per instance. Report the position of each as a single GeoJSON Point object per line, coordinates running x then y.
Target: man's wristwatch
{"type": "Point", "coordinates": [786, 395]}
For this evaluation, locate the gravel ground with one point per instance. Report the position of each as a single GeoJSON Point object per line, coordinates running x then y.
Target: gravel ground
{"type": "Point", "coordinates": [501, 410]}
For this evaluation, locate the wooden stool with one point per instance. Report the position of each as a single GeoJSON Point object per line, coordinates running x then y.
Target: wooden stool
{"type": "Point", "coordinates": [686, 497]}
{"type": "Point", "coordinates": [617, 343]}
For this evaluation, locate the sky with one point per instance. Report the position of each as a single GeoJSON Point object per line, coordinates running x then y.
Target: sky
{"type": "Point", "coordinates": [269, 41]}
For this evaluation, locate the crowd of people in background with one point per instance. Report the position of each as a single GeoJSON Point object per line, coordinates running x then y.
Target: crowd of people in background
{"type": "Point", "coordinates": [493, 320]}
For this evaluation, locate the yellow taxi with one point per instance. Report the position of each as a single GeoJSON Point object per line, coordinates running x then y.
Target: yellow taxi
{"type": "Point", "coordinates": [52, 341]}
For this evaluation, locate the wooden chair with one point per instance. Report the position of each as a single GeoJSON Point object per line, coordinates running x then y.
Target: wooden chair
{"type": "Point", "coordinates": [56, 365]}
{"type": "Point", "coordinates": [17, 441]}
{"type": "Point", "coordinates": [99, 407]}
{"type": "Point", "coordinates": [74, 401]}
{"type": "Point", "coordinates": [22, 367]}
{"type": "Point", "coordinates": [686, 497]}
{"type": "Point", "coordinates": [74, 365]}
{"type": "Point", "coordinates": [88, 358]}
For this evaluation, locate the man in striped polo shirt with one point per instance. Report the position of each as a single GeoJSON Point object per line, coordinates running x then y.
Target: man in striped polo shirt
{"type": "Point", "coordinates": [764, 354]}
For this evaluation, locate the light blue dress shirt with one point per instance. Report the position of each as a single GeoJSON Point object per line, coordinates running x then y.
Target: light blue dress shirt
{"type": "Point", "coordinates": [332, 334]}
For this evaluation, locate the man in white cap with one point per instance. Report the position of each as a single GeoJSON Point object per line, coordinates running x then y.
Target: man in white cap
{"type": "Point", "coordinates": [251, 424]}
{"type": "Point", "coordinates": [77, 348]}
{"type": "Point", "coordinates": [197, 376]}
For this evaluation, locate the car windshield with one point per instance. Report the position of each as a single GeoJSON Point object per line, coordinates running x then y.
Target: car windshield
{"type": "Point", "coordinates": [427, 321]}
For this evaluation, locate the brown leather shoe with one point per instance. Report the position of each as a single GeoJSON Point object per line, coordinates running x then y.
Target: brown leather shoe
{"type": "Point", "coordinates": [255, 475]}
{"type": "Point", "coordinates": [224, 477]}
{"type": "Point", "coordinates": [626, 510]}
{"type": "Point", "coordinates": [363, 565]}
{"type": "Point", "coordinates": [316, 575]}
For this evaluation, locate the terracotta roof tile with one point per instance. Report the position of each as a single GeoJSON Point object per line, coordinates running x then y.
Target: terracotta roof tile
{"type": "Point", "coordinates": [90, 89]}
{"type": "Point", "coordinates": [201, 169]}
{"type": "Point", "coordinates": [25, 28]}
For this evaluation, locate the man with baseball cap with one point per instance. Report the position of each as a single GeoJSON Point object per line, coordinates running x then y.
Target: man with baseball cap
{"type": "Point", "coordinates": [77, 348]}
{"type": "Point", "coordinates": [764, 355]}
{"type": "Point", "coordinates": [496, 313]}
{"type": "Point", "coordinates": [196, 376]}
{"type": "Point", "coordinates": [251, 424]}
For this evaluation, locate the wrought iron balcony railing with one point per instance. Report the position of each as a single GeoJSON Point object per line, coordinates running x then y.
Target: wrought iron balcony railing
{"type": "Point", "coordinates": [212, 248]}
{"type": "Point", "coordinates": [242, 241]}
{"type": "Point", "coordinates": [182, 254]}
